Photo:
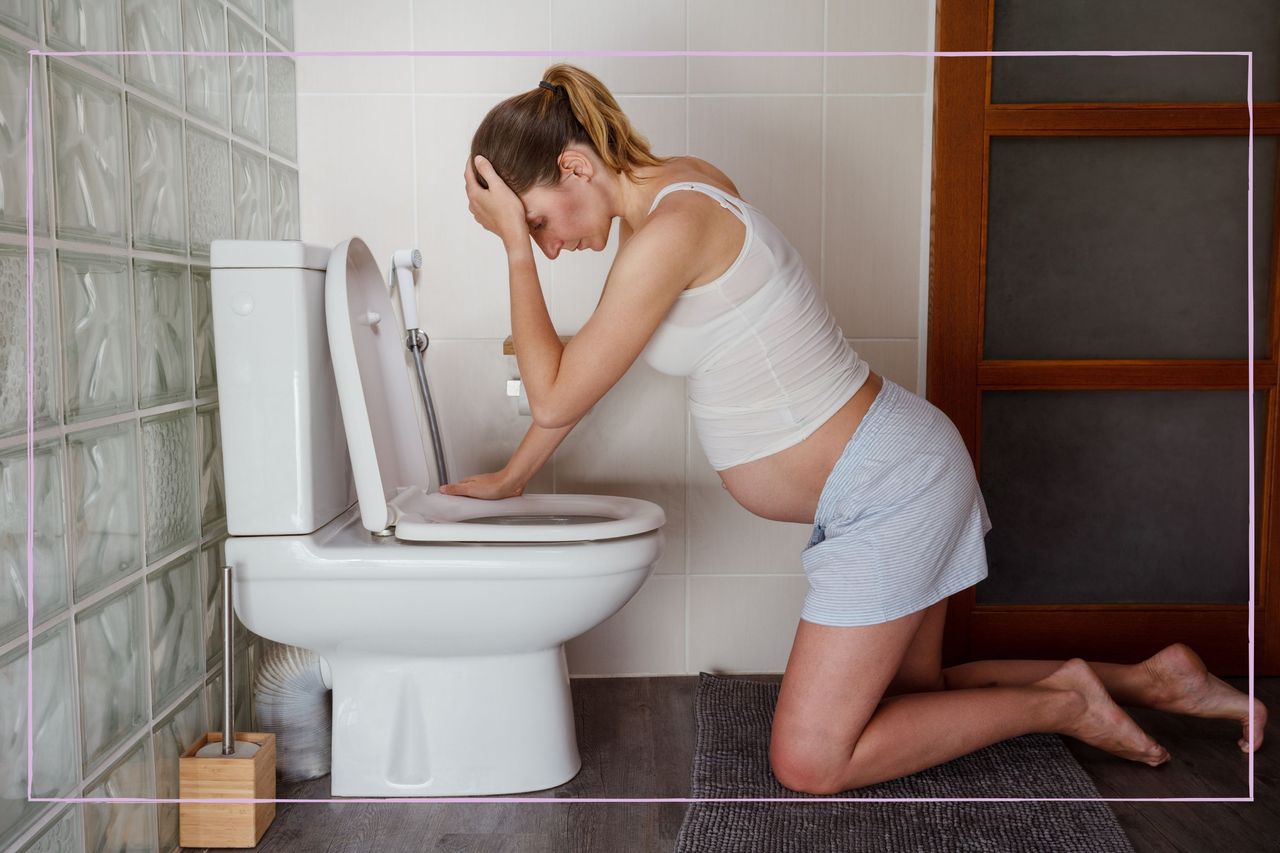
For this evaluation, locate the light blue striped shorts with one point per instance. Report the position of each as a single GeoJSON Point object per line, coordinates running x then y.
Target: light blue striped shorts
{"type": "Point", "coordinates": [901, 519]}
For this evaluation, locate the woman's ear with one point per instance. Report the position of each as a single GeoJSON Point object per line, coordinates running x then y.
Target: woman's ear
{"type": "Point", "coordinates": [576, 164]}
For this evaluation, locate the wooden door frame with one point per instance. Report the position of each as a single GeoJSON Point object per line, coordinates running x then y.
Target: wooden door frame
{"type": "Point", "coordinates": [956, 374]}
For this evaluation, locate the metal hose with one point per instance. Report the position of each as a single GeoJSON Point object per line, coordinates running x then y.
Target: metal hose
{"type": "Point", "coordinates": [293, 702]}
{"type": "Point", "coordinates": [416, 340]}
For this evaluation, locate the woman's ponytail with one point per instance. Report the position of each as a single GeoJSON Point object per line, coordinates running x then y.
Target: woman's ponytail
{"type": "Point", "coordinates": [523, 136]}
{"type": "Point", "coordinates": [619, 144]}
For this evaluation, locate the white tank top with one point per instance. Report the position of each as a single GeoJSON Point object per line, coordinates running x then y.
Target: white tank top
{"type": "Point", "coordinates": [766, 363]}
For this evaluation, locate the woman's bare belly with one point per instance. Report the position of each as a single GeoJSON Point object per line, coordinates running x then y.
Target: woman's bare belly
{"type": "Point", "coordinates": [786, 485]}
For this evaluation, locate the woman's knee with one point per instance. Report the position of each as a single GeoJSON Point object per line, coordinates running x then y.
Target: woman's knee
{"type": "Point", "coordinates": [803, 770]}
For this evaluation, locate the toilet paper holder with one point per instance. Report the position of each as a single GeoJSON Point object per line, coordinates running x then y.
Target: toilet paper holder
{"type": "Point", "coordinates": [515, 388]}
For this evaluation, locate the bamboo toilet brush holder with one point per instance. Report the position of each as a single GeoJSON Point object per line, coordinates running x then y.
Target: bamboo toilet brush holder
{"type": "Point", "coordinates": [227, 765]}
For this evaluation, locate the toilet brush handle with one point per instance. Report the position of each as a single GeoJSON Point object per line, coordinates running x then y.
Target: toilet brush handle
{"type": "Point", "coordinates": [228, 664]}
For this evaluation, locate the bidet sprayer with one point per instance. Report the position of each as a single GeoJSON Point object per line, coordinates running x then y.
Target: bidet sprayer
{"type": "Point", "coordinates": [404, 261]}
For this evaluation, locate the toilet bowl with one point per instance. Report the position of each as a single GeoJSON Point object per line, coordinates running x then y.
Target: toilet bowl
{"type": "Point", "coordinates": [441, 620]}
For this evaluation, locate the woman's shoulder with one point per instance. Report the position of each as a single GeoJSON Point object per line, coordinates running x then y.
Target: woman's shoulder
{"type": "Point", "coordinates": [691, 168]}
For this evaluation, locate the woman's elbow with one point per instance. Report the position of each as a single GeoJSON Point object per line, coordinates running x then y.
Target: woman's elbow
{"type": "Point", "coordinates": [550, 418]}
{"type": "Point", "coordinates": [546, 419]}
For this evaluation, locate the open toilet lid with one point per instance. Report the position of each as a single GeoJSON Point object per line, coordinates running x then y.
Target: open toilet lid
{"type": "Point", "coordinates": [370, 364]}
{"type": "Point", "coordinates": [388, 458]}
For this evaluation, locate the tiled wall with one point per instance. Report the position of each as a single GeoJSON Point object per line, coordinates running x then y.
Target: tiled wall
{"type": "Point", "coordinates": [834, 150]}
{"type": "Point", "coordinates": [140, 162]}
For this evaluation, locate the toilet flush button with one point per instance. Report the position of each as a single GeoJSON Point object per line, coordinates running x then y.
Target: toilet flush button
{"type": "Point", "coordinates": [242, 304]}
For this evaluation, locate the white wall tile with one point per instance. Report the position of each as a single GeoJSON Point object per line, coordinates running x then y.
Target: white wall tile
{"type": "Point", "coordinates": [771, 148]}
{"type": "Point", "coordinates": [645, 637]}
{"type": "Point", "coordinates": [464, 265]}
{"type": "Point", "coordinates": [379, 25]}
{"type": "Point", "coordinates": [755, 25]}
{"type": "Point", "coordinates": [661, 119]}
{"type": "Point", "coordinates": [591, 25]}
{"type": "Point", "coordinates": [878, 25]}
{"type": "Point", "coordinates": [873, 215]}
{"type": "Point", "coordinates": [479, 422]}
{"type": "Point", "coordinates": [898, 360]}
{"type": "Point", "coordinates": [355, 163]}
{"type": "Point", "coordinates": [742, 624]}
{"type": "Point", "coordinates": [613, 452]}
{"type": "Point", "coordinates": [480, 25]}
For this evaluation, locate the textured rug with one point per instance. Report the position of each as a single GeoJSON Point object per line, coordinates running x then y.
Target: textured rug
{"type": "Point", "coordinates": [731, 759]}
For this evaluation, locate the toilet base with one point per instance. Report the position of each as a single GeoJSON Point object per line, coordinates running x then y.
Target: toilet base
{"type": "Point", "coordinates": [475, 725]}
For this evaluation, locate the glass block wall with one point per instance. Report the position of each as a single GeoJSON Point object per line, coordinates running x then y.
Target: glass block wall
{"type": "Point", "coordinates": [140, 162]}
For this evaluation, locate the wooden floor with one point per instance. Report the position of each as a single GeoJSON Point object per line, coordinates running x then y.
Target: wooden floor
{"type": "Point", "coordinates": [636, 736]}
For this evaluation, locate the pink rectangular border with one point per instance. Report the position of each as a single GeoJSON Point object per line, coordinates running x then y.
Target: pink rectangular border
{"type": "Point", "coordinates": [629, 53]}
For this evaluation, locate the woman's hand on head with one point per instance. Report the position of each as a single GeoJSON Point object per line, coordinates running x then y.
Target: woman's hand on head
{"type": "Point", "coordinates": [497, 209]}
{"type": "Point", "coordinates": [489, 487]}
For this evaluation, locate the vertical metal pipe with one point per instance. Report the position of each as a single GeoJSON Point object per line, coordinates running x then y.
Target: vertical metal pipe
{"type": "Point", "coordinates": [418, 342]}
{"type": "Point", "coordinates": [228, 665]}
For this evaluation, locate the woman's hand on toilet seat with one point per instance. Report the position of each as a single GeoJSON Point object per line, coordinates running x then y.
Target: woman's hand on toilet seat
{"type": "Point", "coordinates": [490, 487]}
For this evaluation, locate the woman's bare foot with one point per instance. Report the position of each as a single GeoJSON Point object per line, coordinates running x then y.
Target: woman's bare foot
{"type": "Point", "coordinates": [1101, 722]}
{"type": "Point", "coordinates": [1180, 683]}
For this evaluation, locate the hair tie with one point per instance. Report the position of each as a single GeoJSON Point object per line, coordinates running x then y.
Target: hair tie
{"type": "Point", "coordinates": [551, 86]}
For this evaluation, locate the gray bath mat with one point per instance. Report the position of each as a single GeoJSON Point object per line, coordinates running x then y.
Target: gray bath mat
{"type": "Point", "coordinates": [731, 759]}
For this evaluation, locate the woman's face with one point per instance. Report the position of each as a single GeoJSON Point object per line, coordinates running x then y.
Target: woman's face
{"type": "Point", "coordinates": [572, 215]}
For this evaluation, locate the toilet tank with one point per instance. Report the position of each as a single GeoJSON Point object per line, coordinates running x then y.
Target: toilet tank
{"type": "Point", "coordinates": [284, 453]}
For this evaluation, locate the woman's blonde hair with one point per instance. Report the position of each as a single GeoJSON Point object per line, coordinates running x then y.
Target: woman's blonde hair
{"type": "Point", "coordinates": [523, 136]}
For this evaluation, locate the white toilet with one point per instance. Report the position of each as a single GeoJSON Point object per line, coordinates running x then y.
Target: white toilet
{"type": "Point", "coordinates": [441, 619]}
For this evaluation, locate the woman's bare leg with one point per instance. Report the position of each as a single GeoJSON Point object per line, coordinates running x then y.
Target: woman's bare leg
{"type": "Point", "coordinates": [913, 731]}
{"type": "Point", "coordinates": [1174, 680]}
{"type": "Point", "coordinates": [1128, 684]}
{"type": "Point", "coordinates": [834, 728]}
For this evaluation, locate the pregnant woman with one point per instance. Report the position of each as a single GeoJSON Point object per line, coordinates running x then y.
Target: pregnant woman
{"type": "Point", "coordinates": [800, 429]}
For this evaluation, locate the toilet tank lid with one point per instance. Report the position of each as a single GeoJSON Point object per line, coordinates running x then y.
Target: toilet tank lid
{"type": "Point", "coordinates": [266, 254]}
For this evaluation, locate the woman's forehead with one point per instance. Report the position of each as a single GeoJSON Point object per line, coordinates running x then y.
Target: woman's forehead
{"type": "Point", "coordinates": [537, 198]}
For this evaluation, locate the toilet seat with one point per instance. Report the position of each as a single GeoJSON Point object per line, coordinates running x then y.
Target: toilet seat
{"type": "Point", "coordinates": [423, 517]}
{"type": "Point", "coordinates": [388, 459]}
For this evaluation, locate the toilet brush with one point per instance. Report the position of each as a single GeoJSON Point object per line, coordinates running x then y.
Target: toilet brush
{"type": "Point", "coordinates": [227, 765]}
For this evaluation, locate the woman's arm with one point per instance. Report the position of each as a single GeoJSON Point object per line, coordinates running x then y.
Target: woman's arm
{"type": "Point", "coordinates": [538, 445]}
{"type": "Point", "coordinates": [563, 381]}
{"type": "Point", "coordinates": [534, 451]}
